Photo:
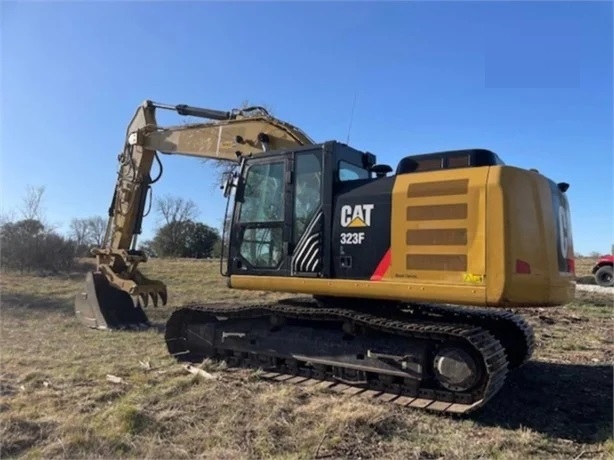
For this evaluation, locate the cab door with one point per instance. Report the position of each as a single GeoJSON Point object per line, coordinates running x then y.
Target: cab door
{"type": "Point", "coordinates": [308, 217]}
{"type": "Point", "coordinates": [278, 224]}
{"type": "Point", "coordinates": [260, 234]}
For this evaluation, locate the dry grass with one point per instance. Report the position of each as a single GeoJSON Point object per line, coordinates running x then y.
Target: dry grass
{"type": "Point", "coordinates": [584, 266]}
{"type": "Point", "coordinates": [55, 400]}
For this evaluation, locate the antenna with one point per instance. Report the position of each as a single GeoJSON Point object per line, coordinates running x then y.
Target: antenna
{"type": "Point", "coordinates": [351, 119]}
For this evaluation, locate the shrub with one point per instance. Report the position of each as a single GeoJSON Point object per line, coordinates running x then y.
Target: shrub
{"type": "Point", "coordinates": [28, 246]}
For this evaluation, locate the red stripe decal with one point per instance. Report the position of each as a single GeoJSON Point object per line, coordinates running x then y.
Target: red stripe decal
{"type": "Point", "coordinates": [383, 265]}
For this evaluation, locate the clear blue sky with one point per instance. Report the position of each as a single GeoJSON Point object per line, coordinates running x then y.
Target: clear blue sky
{"type": "Point", "coordinates": [531, 81]}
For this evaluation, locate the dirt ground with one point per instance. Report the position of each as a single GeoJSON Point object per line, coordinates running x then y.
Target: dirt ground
{"type": "Point", "coordinates": [56, 400]}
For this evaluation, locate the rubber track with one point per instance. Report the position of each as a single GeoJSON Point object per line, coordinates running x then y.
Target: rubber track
{"type": "Point", "coordinates": [440, 400]}
{"type": "Point", "coordinates": [515, 333]}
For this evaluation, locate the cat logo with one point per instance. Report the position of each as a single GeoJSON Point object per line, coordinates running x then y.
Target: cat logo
{"type": "Point", "coordinates": [356, 216]}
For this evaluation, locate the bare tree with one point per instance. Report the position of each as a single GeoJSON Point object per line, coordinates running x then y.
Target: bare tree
{"type": "Point", "coordinates": [88, 231]}
{"type": "Point", "coordinates": [176, 209]}
{"type": "Point", "coordinates": [32, 203]}
{"type": "Point", "coordinates": [97, 227]}
{"type": "Point", "coordinates": [220, 169]}
{"type": "Point", "coordinates": [7, 217]}
{"type": "Point", "coordinates": [80, 232]}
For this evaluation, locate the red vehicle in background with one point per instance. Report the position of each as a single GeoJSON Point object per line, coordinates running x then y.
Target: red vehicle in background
{"type": "Point", "coordinates": [602, 270]}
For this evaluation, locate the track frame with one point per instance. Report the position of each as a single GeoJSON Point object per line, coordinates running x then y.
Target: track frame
{"type": "Point", "coordinates": [499, 340]}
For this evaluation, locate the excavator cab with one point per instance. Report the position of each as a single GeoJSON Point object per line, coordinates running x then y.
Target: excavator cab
{"type": "Point", "coordinates": [283, 201]}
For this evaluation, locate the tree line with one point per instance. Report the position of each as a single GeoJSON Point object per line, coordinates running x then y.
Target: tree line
{"type": "Point", "coordinates": [180, 234]}
{"type": "Point", "coordinates": [30, 243]}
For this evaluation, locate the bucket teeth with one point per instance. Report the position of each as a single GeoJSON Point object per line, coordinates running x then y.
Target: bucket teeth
{"type": "Point", "coordinates": [156, 294]}
{"type": "Point", "coordinates": [144, 300]}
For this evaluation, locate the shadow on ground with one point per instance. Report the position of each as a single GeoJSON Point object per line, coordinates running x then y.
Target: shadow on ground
{"type": "Point", "coordinates": [21, 303]}
{"type": "Point", "coordinates": [29, 302]}
{"type": "Point", "coordinates": [560, 400]}
{"type": "Point", "coordinates": [567, 401]}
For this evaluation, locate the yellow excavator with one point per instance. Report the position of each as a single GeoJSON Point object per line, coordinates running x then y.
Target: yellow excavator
{"type": "Point", "coordinates": [402, 280]}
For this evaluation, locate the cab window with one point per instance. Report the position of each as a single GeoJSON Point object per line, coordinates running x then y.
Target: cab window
{"type": "Point", "coordinates": [261, 215]}
{"type": "Point", "coordinates": [349, 171]}
{"type": "Point", "coordinates": [308, 191]}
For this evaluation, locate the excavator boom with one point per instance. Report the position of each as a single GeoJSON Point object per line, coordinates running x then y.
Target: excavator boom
{"type": "Point", "coordinates": [225, 136]}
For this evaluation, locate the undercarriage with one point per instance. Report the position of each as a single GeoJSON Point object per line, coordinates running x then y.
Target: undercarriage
{"type": "Point", "coordinates": [440, 358]}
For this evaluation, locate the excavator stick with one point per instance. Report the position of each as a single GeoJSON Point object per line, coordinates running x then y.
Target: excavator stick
{"type": "Point", "coordinates": [102, 306]}
{"type": "Point", "coordinates": [116, 291]}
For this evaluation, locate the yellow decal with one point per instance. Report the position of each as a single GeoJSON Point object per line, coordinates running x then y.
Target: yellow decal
{"type": "Point", "coordinates": [473, 278]}
{"type": "Point", "coordinates": [357, 222]}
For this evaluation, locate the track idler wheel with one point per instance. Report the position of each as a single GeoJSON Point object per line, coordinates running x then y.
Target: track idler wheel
{"type": "Point", "coordinates": [102, 306]}
{"type": "Point", "coordinates": [456, 369]}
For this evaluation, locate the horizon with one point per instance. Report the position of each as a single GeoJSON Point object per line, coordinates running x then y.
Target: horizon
{"type": "Point", "coordinates": [531, 81]}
